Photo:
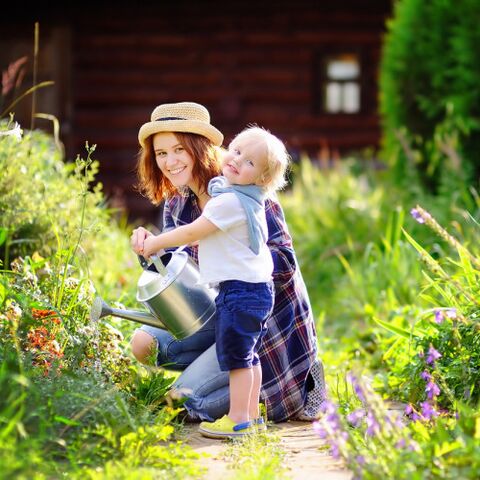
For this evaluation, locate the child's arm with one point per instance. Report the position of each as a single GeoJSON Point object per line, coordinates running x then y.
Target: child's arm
{"type": "Point", "coordinates": [186, 234]}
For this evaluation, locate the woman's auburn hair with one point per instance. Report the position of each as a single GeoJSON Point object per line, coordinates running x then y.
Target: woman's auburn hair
{"type": "Point", "coordinates": [156, 187]}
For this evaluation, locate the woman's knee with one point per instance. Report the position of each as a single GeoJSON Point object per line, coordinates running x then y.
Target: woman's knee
{"type": "Point", "coordinates": [144, 347]}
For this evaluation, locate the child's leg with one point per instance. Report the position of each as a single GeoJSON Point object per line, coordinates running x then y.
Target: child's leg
{"type": "Point", "coordinates": [255, 394]}
{"type": "Point", "coordinates": [241, 382]}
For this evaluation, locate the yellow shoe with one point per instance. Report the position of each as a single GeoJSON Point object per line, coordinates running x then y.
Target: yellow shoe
{"type": "Point", "coordinates": [226, 428]}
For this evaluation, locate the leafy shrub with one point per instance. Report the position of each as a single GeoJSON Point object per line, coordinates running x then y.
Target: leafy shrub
{"type": "Point", "coordinates": [429, 73]}
{"type": "Point", "coordinates": [49, 206]}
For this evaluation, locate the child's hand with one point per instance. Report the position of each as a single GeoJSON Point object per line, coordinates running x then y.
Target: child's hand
{"type": "Point", "coordinates": [137, 239]}
{"type": "Point", "coordinates": [150, 246]}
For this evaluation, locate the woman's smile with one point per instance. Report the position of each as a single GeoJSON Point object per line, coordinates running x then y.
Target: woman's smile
{"type": "Point", "coordinates": [176, 171]}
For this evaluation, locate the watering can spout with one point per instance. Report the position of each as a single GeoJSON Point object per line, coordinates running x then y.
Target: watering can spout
{"type": "Point", "coordinates": [101, 309]}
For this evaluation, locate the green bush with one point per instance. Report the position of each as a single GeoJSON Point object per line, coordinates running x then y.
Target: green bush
{"type": "Point", "coordinates": [49, 206]}
{"type": "Point", "coordinates": [429, 96]}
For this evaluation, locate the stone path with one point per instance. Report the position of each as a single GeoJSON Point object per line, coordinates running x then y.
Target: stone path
{"type": "Point", "coordinates": [305, 455]}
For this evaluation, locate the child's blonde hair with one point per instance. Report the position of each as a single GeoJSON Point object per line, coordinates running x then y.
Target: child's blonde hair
{"type": "Point", "coordinates": [277, 157]}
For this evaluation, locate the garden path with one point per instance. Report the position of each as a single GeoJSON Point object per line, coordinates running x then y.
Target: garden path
{"type": "Point", "coordinates": [305, 453]}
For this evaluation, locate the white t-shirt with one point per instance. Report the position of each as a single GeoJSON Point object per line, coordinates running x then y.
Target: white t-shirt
{"type": "Point", "coordinates": [226, 254]}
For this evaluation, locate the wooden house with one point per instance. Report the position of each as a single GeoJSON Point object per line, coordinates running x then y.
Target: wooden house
{"type": "Point", "coordinates": [306, 70]}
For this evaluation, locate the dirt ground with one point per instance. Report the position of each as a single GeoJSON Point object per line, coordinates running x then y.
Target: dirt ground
{"type": "Point", "coordinates": [305, 456]}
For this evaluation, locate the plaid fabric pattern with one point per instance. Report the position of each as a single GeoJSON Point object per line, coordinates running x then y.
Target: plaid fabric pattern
{"type": "Point", "coordinates": [290, 346]}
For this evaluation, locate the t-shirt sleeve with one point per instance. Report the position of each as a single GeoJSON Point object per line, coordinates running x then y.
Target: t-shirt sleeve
{"type": "Point", "coordinates": [225, 211]}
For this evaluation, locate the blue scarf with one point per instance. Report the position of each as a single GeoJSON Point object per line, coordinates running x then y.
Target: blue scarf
{"type": "Point", "coordinates": [252, 199]}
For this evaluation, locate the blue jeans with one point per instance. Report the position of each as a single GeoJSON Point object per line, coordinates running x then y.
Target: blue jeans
{"type": "Point", "coordinates": [201, 380]}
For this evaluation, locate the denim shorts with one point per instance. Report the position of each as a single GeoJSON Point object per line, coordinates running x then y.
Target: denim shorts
{"type": "Point", "coordinates": [241, 321]}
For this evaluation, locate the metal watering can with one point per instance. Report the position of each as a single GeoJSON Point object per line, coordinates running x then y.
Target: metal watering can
{"type": "Point", "coordinates": [170, 292]}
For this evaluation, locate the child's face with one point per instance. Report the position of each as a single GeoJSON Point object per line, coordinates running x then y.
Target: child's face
{"type": "Point", "coordinates": [244, 163]}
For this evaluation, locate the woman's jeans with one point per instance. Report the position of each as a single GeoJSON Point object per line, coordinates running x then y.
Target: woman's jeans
{"type": "Point", "coordinates": [201, 380]}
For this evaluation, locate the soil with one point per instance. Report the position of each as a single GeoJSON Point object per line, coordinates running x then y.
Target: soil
{"type": "Point", "coordinates": [305, 453]}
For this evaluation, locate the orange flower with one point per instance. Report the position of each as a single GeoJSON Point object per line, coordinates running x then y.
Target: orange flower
{"type": "Point", "coordinates": [39, 313]}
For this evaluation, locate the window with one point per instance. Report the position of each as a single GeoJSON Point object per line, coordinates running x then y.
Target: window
{"type": "Point", "coordinates": [341, 84]}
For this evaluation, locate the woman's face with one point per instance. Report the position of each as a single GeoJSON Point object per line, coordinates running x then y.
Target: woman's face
{"type": "Point", "coordinates": [173, 160]}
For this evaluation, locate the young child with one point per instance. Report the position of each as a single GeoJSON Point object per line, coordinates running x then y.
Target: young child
{"type": "Point", "coordinates": [233, 254]}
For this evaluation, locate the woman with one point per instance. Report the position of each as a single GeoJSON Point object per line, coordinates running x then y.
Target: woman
{"type": "Point", "coordinates": [180, 154]}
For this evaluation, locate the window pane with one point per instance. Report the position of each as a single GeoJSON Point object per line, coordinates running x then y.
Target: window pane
{"type": "Point", "coordinates": [333, 97]}
{"type": "Point", "coordinates": [343, 67]}
{"type": "Point", "coordinates": [351, 97]}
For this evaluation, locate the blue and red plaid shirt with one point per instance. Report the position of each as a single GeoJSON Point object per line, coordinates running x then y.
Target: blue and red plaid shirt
{"type": "Point", "coordinates": [290, 344]}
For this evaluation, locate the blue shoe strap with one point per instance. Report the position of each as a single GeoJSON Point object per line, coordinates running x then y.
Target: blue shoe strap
{"type": "Point", "coordinates": [241, 426]}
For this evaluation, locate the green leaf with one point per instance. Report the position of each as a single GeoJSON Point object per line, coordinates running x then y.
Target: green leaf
{"type": "Point", "coordinates": [3, 235]}
{"type": "Point", "coordinates": [397, 330]}
{"type": "Point", "coordinates": [65, 420]}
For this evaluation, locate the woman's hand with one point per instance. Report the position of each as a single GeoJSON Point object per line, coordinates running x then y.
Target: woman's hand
{"type": "Point", "coordinates": [137, 239]}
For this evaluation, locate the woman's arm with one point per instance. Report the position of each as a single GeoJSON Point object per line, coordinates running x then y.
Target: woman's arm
{"type": "Point", "coordinates": [186, 234]}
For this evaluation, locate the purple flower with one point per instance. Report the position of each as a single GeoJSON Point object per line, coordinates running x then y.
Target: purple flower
{"type": "Point", "coordinates": [319, 429]}
{"type": "Point", "coordinates": [432, 390]}
{"type": "Point", "coordinates": [373, 427]}
{"type": "Point", "coordinates": [416, 417]}
{"type": "Point", "coordinates": [428, 411]}
{"type": "Point", "coordinates": [433, 355]}
{"type": "Point", "coordinates": [357, 388]}
{"type": "Point", "coordinates": [425, 376]}
{"type": "Point", "coordinates": [409, 409]}
{"type": "Point", "coordinates": [402, 443]}
{"type": "Point", "coordinates": [355, 417]}
{"type": "Point", "coordinates": [360, 459]}
{"type": "Point", "coordinates": [335, 451]}
{"type": "Point", "coordinates": [439, 317]}
{"type": "Point", "coordinates": [451, 313]}
{"type": "Point", "coordinates": [417, 215]}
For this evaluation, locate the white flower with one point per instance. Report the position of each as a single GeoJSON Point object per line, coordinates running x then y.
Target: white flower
{"type": "Point", "coordinates": [16, 132]}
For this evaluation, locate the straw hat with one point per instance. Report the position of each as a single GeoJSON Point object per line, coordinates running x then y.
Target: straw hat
{"type": "Point", "coordinates": [186, 117]}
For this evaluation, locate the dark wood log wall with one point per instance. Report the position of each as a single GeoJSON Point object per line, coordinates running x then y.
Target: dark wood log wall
{"type": "Point", "coordinates": [246, 62]}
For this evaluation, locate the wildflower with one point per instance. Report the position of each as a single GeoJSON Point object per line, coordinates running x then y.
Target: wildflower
{"type": "Point", "coordinates": [402, 443]}
{"type": "Point", "coordinates": [451, 313]}
{"type": "Point", "coordinates": [357, 388]}
{"type": "Point", "coordinates": [39, 313]}
{"type": "Point", "coordinates": [428, 411]}
{"type": "Point", "coordinates": [432, 390]}
{"type": "Point", "coordinates": [425, 376]}
{"type": "Point", "coordinates": [433, 355]}
{"type": "Point", "coordinates": [16, 132]}
{"type": "Point", "coordinates": [412, 413]}
{"type": "Point", "coordinates": [441, 314]}
{"type": "Point", "coordinates": [415, 213]}
{"type": "Point", "coordinates": [360, 459]}
{"type": "Point", "coordinates": [373, 427]}
{"type": "Point", "coordinates": [320, 430]}
{"type": "Point", "coordinates": [355, 417]}
{"type": "Point", "coordinates": [439, 318]}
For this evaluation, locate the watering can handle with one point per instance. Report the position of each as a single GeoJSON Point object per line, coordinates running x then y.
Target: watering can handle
{"type": "Point", "coordinates": [143, 262]}
{"type": "Point", "coordinates": [155, 260]}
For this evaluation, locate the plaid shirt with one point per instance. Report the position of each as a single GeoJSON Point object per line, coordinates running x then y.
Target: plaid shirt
{"type": "Point", "coordinates": [290, 344]}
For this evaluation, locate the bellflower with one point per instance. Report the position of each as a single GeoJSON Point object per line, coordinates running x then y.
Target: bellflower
{"type": "Point", "coordinates": [417, 215]}
{"type": "Point", "coordinates": [439, 317]}
{"type": "Point", "coordinates": [373, 427]}
{"type": "Point", "coordinates": [433, 355]}
{"type": "Point", "coordinates": [355, 417]}
{"type": "Point", "coordinates": [425, 376]}
{"type": "Point", "coordinates": [428, 411]}
{"type": "Point", "coordinates": [432, 390]}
